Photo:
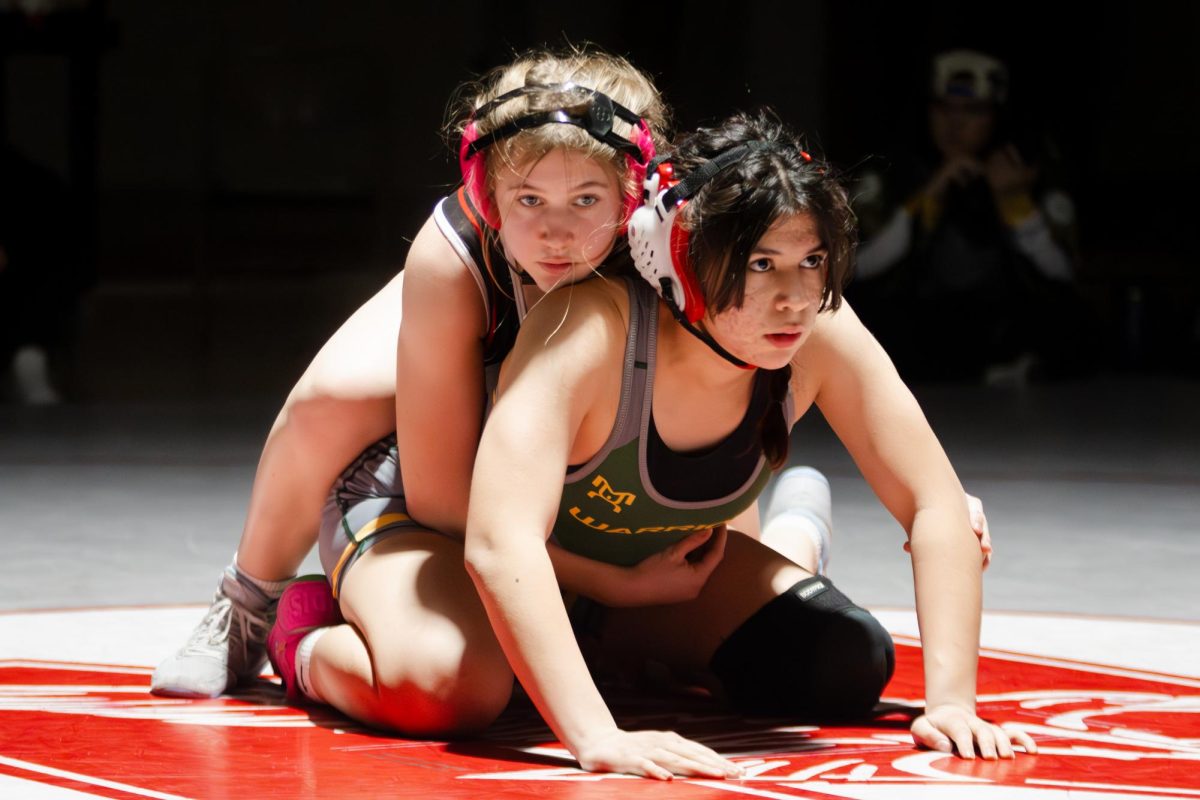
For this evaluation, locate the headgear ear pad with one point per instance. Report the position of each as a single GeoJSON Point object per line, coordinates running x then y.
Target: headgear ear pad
{"type": "Point", "coordinates": [597, 121]}
{"type": "Point", "coordinates": [637, 170]}
{"type": "Point", "coordinates": [659, 246]}
{"type": "Point", "coordinates": [474, 174]}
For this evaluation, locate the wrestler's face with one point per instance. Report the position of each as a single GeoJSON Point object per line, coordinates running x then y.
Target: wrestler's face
{"type": "Point", "coordinates": [784, 280]}
{"type": "Point", "coordinates": [559, 215]}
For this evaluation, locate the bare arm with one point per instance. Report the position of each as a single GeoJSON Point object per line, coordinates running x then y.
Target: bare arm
{"type": "Point", "coordinates": [550, 386]}
{"type": "Point", "coordinates": [668, 576]}
{"type": "Point", "coordinates": [879, 421]}
{"type": "Point", "coordinates": [439, 382]}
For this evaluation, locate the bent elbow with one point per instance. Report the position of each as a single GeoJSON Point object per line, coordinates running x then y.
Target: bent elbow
{"type": "Point", "coordinates": [479, 554]}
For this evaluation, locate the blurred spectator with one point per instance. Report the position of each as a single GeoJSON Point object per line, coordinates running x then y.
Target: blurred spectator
{"type": "Point", "coordinates": [966, 268]}
{"type": "Point", "coordinates": [39, 277]}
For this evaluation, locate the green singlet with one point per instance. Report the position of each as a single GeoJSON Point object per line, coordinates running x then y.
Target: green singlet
{"type": "Point", "coordinates": [611, 510]}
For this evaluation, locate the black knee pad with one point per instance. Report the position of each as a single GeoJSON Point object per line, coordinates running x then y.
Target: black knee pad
{"type": "Point", "coordinates": [810, 651]}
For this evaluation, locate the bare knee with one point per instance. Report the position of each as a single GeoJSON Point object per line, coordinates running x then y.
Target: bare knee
{"type": "Point", "coordinates": [441, 693]}
{"type": "Point", "coordinates": [310, 411]}
{"type": "Point", "coordinates": [449, 710]}
{"type": "Point", "coordinates": [312, 423]}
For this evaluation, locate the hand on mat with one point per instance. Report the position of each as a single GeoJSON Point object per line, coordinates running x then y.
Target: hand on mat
{"type": "Point", "coordinates": [951, 728]}
{"type": "Point", "coordinates": [677, 573]}
{"type": "Point", "coordinates": [654, 754]}
{"type": "Point", "coordinates": [979, 524]}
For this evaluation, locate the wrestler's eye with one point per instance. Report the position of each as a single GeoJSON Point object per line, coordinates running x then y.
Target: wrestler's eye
{"type": "Point", "coordinates": [814, 261]}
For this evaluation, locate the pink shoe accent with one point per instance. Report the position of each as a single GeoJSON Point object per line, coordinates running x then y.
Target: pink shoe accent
{"type": "Point", "coordinates": [306, 604]}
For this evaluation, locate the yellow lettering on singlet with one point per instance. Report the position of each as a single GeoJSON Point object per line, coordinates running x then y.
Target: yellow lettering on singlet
{"type": "Point", "coordinates": [589, 521]}
{"type": "Point", "coordinates": [661, 529]}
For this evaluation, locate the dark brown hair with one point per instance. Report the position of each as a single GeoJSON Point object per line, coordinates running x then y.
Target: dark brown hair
{"type": "Point", "coordinates": [734, 210]}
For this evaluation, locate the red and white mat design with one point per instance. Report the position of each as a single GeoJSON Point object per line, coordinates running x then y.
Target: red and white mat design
{"type": "Point", "coordinates": [1114, 705]}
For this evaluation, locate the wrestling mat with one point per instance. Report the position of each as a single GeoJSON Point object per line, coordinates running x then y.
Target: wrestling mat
{"type": "Point", "coordinates": [1113, 703]}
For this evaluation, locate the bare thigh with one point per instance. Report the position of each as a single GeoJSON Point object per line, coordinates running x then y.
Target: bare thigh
{"type": "Point", "coordinates": [344, 401]}
{"type": "Point", "coordinates": [359, 359]}
{"type": "Point", "coordinates": [685, 635]}
{"type": "Point", "coordinates": [437, 665]}
{"type": "Point", "coordinates": [346, 398]}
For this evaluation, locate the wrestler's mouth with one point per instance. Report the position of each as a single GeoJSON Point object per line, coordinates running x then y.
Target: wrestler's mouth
{"type": "Point", "coordinates": [785, 338]}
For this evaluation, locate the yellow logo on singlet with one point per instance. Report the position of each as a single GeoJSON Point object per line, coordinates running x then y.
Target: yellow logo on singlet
{"type": "Point", "coordinates": [604, 491]}
{"type": "Point", "coordinates": [586, 519]}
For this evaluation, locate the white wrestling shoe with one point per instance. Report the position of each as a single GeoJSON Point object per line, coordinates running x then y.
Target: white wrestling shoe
{"type": "Point", "coordinates": [801, 505]}
{"type": "Point", "coordinates": [229, 644]}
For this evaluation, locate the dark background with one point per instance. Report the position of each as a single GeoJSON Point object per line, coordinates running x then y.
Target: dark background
{"type": "Point", "coordinates": [249, 172]}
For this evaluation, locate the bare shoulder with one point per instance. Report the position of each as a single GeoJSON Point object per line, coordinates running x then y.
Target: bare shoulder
{"type": "Point", "coordinates": [840, 331]}
{"type": "Point", "coordinates": [592, 312]}
{"type": "Point", "coordinates": [840, 351]}
{"type": "Point", "coordinates": [573, 329]}
{"type": "Point", "coordinates": [437, 278]}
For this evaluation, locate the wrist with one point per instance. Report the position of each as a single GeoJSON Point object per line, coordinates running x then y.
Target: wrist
{"type": "Point", "coordinates": [932, 703]}
{"type": "Point", "coordinates": [579, 745]}
{"type": "Point", "coordinates": [618, 586]}
{"type": "Point", "coordinates": [580, 575]}
{"type": "Point", "coordinates": [625, 587]}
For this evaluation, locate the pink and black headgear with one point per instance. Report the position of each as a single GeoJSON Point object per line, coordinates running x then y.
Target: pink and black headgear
{"type": "Point", "coordinates": [597, 119]}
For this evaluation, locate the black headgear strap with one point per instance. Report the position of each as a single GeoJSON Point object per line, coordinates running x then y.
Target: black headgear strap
{"type": "Point", "coordinates": [669, 298]}
{"type": "Point", "coordinates": [686, 189]}
{"type": "Point", "coordinates": [688, 186]}
{"type": "Point", "coordinates": [596, 119]}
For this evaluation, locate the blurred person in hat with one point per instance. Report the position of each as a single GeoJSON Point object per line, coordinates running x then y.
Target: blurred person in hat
{"type": "Point", "coordinates": [981, 233]}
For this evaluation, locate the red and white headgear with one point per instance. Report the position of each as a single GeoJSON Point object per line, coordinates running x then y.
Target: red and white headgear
{"type": "Point", "coordinates": [659, 245]}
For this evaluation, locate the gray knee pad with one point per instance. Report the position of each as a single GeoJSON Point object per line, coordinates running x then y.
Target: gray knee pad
{"type": "Point", "coordinates": [810, 651]}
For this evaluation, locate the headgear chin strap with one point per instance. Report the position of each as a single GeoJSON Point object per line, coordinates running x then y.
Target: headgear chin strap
{"type": "Point", "coordinates": [660, 247]}
{"type": "Point", "coordinates": [596, 118]}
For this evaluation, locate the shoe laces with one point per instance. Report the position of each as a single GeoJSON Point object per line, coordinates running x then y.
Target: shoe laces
{"type": "Point", "coordinates": [227, 622]}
